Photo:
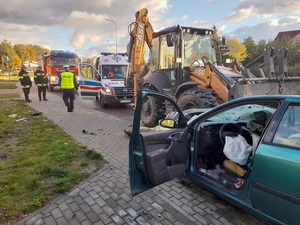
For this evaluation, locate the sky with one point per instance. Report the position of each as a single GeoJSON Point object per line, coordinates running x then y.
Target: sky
{"type": "Point", "coordinates": [90, 27]}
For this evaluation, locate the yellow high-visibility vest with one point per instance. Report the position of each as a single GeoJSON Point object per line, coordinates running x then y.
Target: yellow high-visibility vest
{"type": "Point", "coordinates": [67, 80]}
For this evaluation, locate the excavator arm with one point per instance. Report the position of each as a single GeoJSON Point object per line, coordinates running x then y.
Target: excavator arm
{"type": "Point", "coordinates": [141, 33]}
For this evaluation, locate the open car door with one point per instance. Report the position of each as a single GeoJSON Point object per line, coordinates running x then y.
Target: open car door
{"type": "Point", "coordinates": [89, 81]}
{"type": "Point", "coordinates": [158, 154]}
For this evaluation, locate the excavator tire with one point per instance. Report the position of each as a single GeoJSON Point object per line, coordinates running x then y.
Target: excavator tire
{"type": "Point", "coordinates": [196, 98]}
{"type": "Point", "coordinates": [152, 111]}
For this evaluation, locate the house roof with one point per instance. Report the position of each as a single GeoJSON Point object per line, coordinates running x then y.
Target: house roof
{"type": "Point", "coordinates": [291, 34]}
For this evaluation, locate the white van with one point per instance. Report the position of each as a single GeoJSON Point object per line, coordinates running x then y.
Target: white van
{"type": "Point", "coordinates": [105, 80]}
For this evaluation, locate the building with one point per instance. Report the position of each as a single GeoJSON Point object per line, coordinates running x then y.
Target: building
{"type": "Point", "coordinates": [294, 35]}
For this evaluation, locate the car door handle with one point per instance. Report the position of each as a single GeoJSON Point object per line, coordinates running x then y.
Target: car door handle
{"type": "Point", "coordinates": [174, 137]}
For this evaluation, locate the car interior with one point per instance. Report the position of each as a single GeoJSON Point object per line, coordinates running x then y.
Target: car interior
{"type": "Point", "coordinates": [243, 134]}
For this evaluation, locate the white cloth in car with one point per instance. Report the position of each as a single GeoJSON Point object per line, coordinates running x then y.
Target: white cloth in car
{"type": "Point", "coordinates": [237, 149]}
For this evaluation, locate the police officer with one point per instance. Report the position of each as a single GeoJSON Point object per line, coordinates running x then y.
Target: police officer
{"type": "Point", "coordinates": [67, 83]}
{"type": "Point", "coordinates": [41, 81]}
{"type": "Point", "coordinates": [25, 81]}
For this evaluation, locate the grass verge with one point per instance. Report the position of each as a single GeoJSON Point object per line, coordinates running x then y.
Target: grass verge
{"type": "Point", "coordinates": [9, 96]}
{"type": "Point", "coordinates": [38, 161]}
{"type": "Point", "coordinates": [8, 85]}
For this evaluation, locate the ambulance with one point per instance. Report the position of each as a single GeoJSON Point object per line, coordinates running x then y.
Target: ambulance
{"type": "Point", "coordinates": [104, 80]}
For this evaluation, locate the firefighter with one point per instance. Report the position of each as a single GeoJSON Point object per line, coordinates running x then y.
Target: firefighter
{"type": "Point", "coordinates": [67, 83]}
{"type": "Point", "coordinates": [41, 81]}
{"type": "Point", "coordinates": [26, 83]}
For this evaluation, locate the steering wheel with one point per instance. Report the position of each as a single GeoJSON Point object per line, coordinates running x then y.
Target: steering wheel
{"type": "Point", "coordinates": [229, 129]}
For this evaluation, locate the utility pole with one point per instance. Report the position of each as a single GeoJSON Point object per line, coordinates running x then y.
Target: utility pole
{"type": "Point", "coordinates": [115, 34]}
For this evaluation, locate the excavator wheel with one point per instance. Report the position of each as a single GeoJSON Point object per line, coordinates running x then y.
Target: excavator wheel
{"type": "Point", "coordinates": [152, 111]}
{"type": "Point", "coordinates": [196, 98]}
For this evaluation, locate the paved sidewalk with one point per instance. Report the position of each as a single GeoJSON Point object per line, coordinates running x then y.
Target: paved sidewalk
{"type": "Point", "coordinates": [105, 197]}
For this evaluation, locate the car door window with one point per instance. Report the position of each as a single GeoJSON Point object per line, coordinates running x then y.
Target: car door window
{"type": "Point", "coordinates": [288, 132]}
{"type": "Point", "coordinates": [86, 71]}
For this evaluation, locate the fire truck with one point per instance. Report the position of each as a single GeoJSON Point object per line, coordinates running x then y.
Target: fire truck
{"type": "Point", "coordinates": [53, 62]}
{"type": "Point", "coordinates": [104, 80]}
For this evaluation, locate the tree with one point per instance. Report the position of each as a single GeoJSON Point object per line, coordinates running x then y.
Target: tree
{"type": "Point", "coordinates": [237, 49]}
{"type": "Point", "coordinates": [6, 50]}
{"type": "Point", "coordinates": [22, 52]}
{"type": "Point", "coordinates": [251, 49]}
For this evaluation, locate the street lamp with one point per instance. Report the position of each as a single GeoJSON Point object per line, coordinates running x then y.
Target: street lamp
{"type": "Point", "coordinates": [115, 34]}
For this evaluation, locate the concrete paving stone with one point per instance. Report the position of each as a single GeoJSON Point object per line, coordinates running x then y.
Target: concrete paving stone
{"type": "Point", "coordinates": [175, 194]}
{"type": "Point", "coordinates": [56, 213]}
{"type": "Point", "coordinates": [62, 221]}
{"type": "Point", "coordinates": [114, 195]}
{"type": "Point", "coordinates": [111, 202]}
{"type": "Point", "coordinates": [74, 206]}
{"type": "Point", "coordinates": [34, 218]}
{"type": "Point", "coordinates": [49, 220]}
{"type": "Point", "coordinates": [117, 219]}
{"type": "Point", "coordinates": [166, 222]}
{"type": "Point", "coordinates": [85, 208]}
{"type": "Point", "coordinates": [100, 201]}
{"type": "Point", "coordinates": [176, 201]}
{"type": "Point", "coordinates": [136, 206]}
{"type": "Point", "coordinates": [80, 215]}
{"type": "Point", "coordinates": [182, 218]}
{"type": "Point", "coordinates": [92, 216]}
{"type": "Point", "coordinates": [90, 201]}
{"type": "Point", "coordinates": [122, 203]}
{"type": "Point", "coordinates": [68, 214]}
{"type": "Point", "coordinates": [86, 222]}
{"type": "Point", "coordinates": [157, 207]}
{"type": "Point", "coordinates": [145, 205]}
{"type": "Point", "coordinates": [79, 200]}
{"type": "Point", "coordinates": [105, 218]}
{"type": "Point", "coordinates": [104, 194]}
{"type": "Point", "coordinates": [74, 221]}
{"type": "Point", "coordinates": [39, 222]}
{"type": "Point", "coordinates": [225, 221]}
{"type": "Point", "coordinates": [93, 194]}
{"type": "Point", "coordinates": [97, 209]}
{"type": "Point", "coordinates": [108, 210]}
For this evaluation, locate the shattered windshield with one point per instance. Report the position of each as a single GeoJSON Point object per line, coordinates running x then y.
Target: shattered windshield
{"type": "Point", "coordinates": [196, 46]}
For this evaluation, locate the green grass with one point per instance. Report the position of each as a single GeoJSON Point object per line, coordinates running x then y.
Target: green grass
{"type": "Point", "coordinates": [38, 161]}
{"type": "Point", "coordinates": [7, 85]}
{"type": "Point", "coordinates": [10, 96]}
{"type": "Point", "coordinates": [12, 77]}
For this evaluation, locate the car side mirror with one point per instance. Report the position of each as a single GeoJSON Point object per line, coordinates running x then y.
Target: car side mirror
{"type": "Point", "coordinates": [168, 123]}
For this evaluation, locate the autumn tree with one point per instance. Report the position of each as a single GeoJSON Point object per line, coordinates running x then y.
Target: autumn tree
{"type": "Point", "coordinates": [6, 50]}
{"type": "Point", "coordinates": [237, 49]}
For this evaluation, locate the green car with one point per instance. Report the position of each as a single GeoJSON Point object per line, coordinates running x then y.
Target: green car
{"type": "Point", "coordinates": [246, 151]}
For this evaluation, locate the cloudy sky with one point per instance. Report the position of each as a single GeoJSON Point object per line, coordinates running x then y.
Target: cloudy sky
{"type": "Point", "coordinates": [81, 25]}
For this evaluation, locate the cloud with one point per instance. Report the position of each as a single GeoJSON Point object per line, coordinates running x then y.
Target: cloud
{"type": "Point", "coordinates": [262, 9]}
{"type": "Point", "coordinates": [266, 30]}
{"type": "Point", "coordinates": [42, 21]}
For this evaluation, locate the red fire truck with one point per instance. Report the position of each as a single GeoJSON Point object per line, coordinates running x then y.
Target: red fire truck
{"type": "Point", "coordinates": [53, 62]}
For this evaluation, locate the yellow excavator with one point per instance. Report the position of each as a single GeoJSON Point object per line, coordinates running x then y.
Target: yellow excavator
{"type": "Point", "coordinates": [183, 63]}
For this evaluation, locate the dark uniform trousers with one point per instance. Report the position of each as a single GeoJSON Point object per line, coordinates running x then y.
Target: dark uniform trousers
{"type": "Point", "coordinates": [68, 97]}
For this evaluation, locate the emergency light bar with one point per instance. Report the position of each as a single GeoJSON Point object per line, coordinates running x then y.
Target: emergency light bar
{"type": "Point", "coordinates": [109, 53]}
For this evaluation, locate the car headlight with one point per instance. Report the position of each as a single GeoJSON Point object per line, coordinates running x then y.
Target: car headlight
{"type": "Point", "coordinates": [107, 90]}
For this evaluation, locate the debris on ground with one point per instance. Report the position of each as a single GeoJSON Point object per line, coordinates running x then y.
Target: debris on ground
{"type": "Point", "coordinates": [87, 132]}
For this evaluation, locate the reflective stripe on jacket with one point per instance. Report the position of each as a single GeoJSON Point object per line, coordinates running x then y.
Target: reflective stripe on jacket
{"type": "Point", "coordinates": [67, 80]}
{"type": "Point", "coordinates": [25, 79]}
{"type": "Point", "coordinates": [40, 78]}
